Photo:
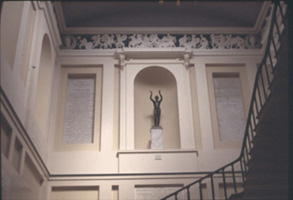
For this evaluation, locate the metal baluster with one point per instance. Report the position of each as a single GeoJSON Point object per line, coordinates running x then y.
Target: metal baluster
{"type": "Point", "coordinates": [247, 153]}
{"type": "Point", "coordinates": [255, 103]}
{"type": "Point", "coordinates": [188, 193]}
{"type": "Point", "coordinates": [278, 29]}
{"type": "Point", "coordinates": [271, 61]}
{"type": "Point", "coordinates": [200, 191]}
{"type": "Point", "coordinates": [242, 170]}
{"type": "Point", "coordinates": [259, 96]}
{"type": "Point", "coordinates": [249, 137]}
{"type": "Point", "coordinates": [245, 169]}
{"type": "Point", "coordinates": [251, 130]}
{"type": "Point", "coordinates": [224, 183]}
{"type": "Point", "coordinates": [274, 45]}
{"type": "Point", "coordinates": [281, 11]}
{"type": "Point", "coordinates": [263, 85]}
{"type": "Point", "coordinates": [176, 196]}
{"type": "Point", "coordinates": [253, 117]}
{"type": "Point", "coordinates": [213, 190]}
{"type": "Point", "coordinates": [234, 180]}
{"type": "Point", "coordinates": [267, 73]}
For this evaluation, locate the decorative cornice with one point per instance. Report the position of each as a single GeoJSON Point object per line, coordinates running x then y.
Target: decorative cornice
{"type": "Point", "coordinates": [188, 41]}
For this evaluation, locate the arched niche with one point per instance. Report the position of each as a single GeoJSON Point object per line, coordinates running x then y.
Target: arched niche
{"type": "Point", "coordinates": [43, 91]}
{"type": "Point", "coordinates": [154, 79]}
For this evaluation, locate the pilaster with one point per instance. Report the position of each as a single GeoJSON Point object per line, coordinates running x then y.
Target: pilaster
{"type": "Point", "coordinates": [204, 109]}
{"type": "Point", "coordinates": [107, 123]}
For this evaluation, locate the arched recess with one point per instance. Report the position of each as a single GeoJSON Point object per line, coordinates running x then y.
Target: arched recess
{"type": "Point", "coordinates": [43, 91]}
{"type": "Point", "coordinates": [156, 78]}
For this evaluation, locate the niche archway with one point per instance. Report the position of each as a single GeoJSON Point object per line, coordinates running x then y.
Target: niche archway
{"type": "Point", "coordinates": [43, 91]}
{"type": "Point", "coordinates": [156, 78]}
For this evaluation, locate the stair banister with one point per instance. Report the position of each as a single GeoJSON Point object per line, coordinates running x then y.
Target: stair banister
{"type": "Point", "coordinates": [244, 156]}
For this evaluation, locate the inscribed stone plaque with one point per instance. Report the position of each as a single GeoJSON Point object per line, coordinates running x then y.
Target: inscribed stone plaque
{"type": "Point", "coordinates": [230, 108]}
{"type": "Point", "coordinates": [79, 111]}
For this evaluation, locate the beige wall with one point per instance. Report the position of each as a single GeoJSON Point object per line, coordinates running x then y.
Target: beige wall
{"type": "Point", "coordinates": [22, 176]}
{"type": "Point", "coordinates": [27, 46]}
{"type": "Point", "coordinates": [155, 79]}
{"type": "Point", "coordinates": [188, 133]}
{"type": "Point", "coordinates": [10, 28]}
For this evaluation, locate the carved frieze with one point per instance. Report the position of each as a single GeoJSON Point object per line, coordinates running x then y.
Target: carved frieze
{"type": "Point", "coordinates": [189, 41]}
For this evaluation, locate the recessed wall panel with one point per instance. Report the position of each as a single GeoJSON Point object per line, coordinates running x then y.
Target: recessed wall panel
{"type": "Point", "coordinates": [17, 155]}
{"type": "Point", "coordinates": [75, 193]}
{"type": "Point", "coordinates": [149, 192]}
{"type": "Point", "coordinates": [5, 137]}
{"type": "Point", "coordinates": [230, 107]}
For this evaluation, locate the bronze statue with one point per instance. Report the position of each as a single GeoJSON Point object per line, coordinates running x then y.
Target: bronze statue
{"type": "Point", "coordinates": [157, 109]}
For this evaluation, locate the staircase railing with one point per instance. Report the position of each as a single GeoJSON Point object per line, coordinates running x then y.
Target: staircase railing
{"type": "Point", "coordinates": [261, 92]}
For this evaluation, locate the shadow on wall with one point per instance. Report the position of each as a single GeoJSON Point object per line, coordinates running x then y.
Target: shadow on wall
{"type": "Point", "coordinates": [155, 79]}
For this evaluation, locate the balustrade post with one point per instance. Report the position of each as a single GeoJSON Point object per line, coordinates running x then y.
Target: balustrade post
{"type": "Point", "coordinates": [234, 180]}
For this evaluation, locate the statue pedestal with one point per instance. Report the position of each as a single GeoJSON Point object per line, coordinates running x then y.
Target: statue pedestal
{"type": "Point", "coordinates": [157, 137]}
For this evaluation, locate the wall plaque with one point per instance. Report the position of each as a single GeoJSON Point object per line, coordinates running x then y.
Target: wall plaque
{"type": "Point", "coordinates": [79, 111]}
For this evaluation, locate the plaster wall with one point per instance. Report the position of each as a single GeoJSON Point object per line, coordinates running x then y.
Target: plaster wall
{"type": "Point", "coordinates": [22, 175]}
{"type": "Point", "coordinates": [143, 187]}
{"type": "Point", "coordinates": [208, 158]}
{"type": "Point", "coordinates": [19, 67]}
{"type": "Point", "coordinates": [10, 36]}
{"type": "Point", "coordinates": [114, 156]}
{"type": "Point", "coordinates": [10, 29]}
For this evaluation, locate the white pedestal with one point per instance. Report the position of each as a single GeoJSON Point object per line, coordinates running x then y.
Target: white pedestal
{"type": "Point", "coordinates": [157, 137]}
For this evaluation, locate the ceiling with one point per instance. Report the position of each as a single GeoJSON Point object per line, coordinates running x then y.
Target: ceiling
{"type": "Point", "coordinates": [145, 16]}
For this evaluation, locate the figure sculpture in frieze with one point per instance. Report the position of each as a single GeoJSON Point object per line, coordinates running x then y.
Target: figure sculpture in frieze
{"type": "Point", "coordinates": [157, 109]}
{"type": "Point", "coordinates": [96, 40]}
{"type": "Point", "coordinates": [120, 40]}
{"type": "Point", "coordinates": [69, 42]}
{"type": "Point", "coordinates": [204, 43]}
{"type": "Point", "coordinates": [183, 41]}
{"type": "Point", "coordinates": [135, 40]}
{"type": "Point", "coordinates": [154, 40]}
{"type": "Point", "coordinates": [218, 41]}
{"type": "Point", "coordinates": [84, 43]}
{"type": "Point", "coordinates": [107, 40]}
{"type": "Point", "coordinates": [168, 41]}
